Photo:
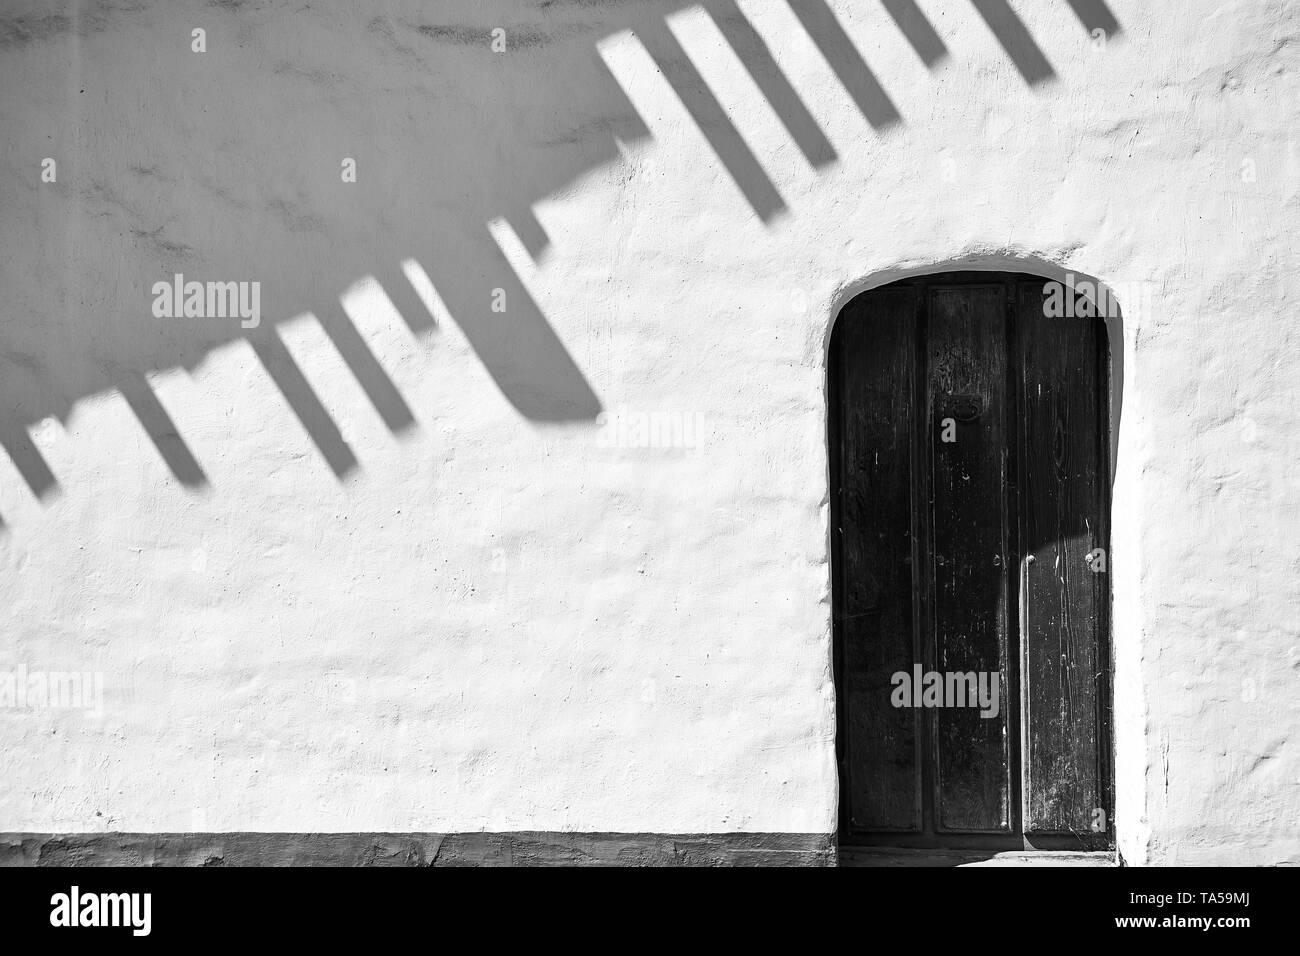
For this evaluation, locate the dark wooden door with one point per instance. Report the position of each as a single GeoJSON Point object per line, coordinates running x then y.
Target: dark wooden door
{"type": "Point", "coordinates": [970, 566]}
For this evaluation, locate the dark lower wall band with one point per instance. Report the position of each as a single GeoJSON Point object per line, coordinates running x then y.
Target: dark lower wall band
{"type": "Point", "coordinates": [417, 849]}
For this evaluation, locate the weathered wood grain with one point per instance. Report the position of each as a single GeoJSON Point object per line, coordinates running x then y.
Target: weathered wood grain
{"type": "Point", "coordinates": [1063, 602]}
{"type": "Point", "coordinates": [875, 540]}
{"type": "Point", "coordinates": [966, 372]}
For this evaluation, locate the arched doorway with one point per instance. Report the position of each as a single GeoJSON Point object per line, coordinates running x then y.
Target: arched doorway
{"type": "Point", "coordinates": [970, 564]}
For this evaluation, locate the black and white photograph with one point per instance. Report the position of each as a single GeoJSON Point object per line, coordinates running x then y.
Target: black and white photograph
{"type": "Point", "coordinates": [651, 434]}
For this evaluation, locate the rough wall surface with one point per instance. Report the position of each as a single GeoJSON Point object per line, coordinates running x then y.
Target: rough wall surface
{"type": "Point", "coordinates": [399, 559]}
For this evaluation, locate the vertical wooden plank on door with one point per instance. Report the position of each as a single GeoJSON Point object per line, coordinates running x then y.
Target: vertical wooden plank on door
{"type": "Point", "coordinates": [875, 549]}
{"type": "Point", "coordinates": [1063, 600]}
{"type": "Point", "coordinates": [966, 358]}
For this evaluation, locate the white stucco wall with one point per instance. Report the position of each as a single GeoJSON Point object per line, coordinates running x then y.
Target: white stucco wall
{"type": "Point", "coordinates": [498, 622]}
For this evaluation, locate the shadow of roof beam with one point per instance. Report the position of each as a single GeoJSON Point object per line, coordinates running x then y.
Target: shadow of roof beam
{"type": "Point", "coordinates": [838, 49]}
{"type": "Point", "coordinates": [518, 347]}
{"type": "Point", "coordinates": [918, 31]}
{"type": "Point", "coordinates": [406, 301]}
{"type": "Point", "coordinates": [370, 375]}
{"type": "Point", "coordinates": [1095, 15]}
{"type": "Point", "coordinates": [753, 52]}
{"type": "Point", "coordinates": [162, 431]}
{"type": "Point", "coordinates": [712, 120]}
{"type": "Point", "coordinates": [1016, 40]}
{"type": "Point", "coordinates": [293, 385]}
{"type": "Point", "coordinates": [529, 230]}
{"type": "Point", "coordinates": [27, 459]}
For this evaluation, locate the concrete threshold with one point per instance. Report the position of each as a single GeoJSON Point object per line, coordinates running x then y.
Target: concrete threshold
{"type": "Point", "coordinates": [890, 856]}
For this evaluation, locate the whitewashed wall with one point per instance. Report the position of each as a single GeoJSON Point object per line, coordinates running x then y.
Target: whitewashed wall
{"type": "Point", "coordinates": [502, 618]}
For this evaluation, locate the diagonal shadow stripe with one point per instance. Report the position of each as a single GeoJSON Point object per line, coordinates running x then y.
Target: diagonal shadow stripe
{"type": "Point", "coordinates": [835, 45]}
{"type": "Point", "coordinates": [527, 360]}
{"type": "Point", "coordinates": [293, 385]}
{"type": "Point", "coordinates": [1016, 40]}
{"type": "Point", "coordinates": [530, 231]}
{"type": "Point", "coordinates": [712, 120]}
{"type": "Point", "coordinates": [1095, 15]}
{"type": "Point", "coordinates": [917, 29]}
{"type": "Point", "coordinates": [753, 52]}
{"type": "Point", "coordinates": [370, 375]}
{"type": "Point", "coordinates": [28, 460]}
{"type": "Point", "coordinates": [406, 301]}
{"type": "Point", "coordinates": [162, 431]}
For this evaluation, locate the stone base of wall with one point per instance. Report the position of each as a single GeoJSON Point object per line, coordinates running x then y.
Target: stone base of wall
{"type": "Point", "coordinates": [417, 849]}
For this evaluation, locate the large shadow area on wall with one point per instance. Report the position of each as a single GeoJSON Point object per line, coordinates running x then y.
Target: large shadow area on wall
{"type": "Point", "coordinates": [168, 164]}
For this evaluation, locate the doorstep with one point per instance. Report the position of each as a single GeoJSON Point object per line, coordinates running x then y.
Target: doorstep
{"type": "Point", "coordinates": [889, 856]}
